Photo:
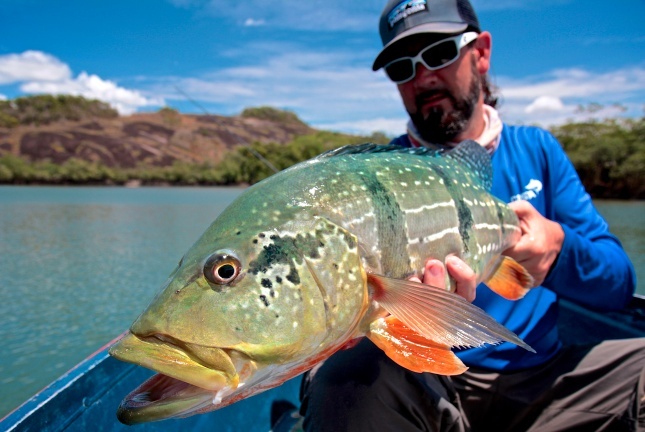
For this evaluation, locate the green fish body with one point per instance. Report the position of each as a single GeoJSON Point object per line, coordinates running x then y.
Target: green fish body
{"type": "Point", "coordinates": [314, 257]}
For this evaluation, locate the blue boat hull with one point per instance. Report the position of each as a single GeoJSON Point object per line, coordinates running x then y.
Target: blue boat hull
{"type": "Point", "coordinates": [86, 398]}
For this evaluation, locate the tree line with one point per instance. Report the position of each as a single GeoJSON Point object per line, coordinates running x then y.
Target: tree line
{"type": "Point", "coordinates": [240, 166]}
{"type": "Point", "coordinates": [608, 155]}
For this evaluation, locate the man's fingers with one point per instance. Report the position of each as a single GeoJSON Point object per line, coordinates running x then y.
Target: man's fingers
{"type": "Point", "coordinates": [434, 273]}
{"type": "Point", "coordinates": [464, 276]}
{"type": "Point", "coordinates": [522, 208]}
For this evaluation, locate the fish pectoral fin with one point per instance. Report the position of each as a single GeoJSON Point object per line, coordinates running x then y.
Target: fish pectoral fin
{"type": "Point", "coordinates": [510, 280]}
{"type": "Point", "coordinates": [439, 315]}
{"type": "Point", "coordinates": [411, 350]}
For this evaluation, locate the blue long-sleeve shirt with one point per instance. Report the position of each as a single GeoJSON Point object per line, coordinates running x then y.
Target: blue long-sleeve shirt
{"type": "Point", "coordinates": [592, 268]}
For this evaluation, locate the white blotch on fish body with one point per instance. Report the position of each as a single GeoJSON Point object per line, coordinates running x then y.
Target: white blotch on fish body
{"type": "Point", "coordinates": [434, 206]}
{"type": "Point", "coordinates": [487, 226]}
{"type": "Point", "coordinates": [436, 236]}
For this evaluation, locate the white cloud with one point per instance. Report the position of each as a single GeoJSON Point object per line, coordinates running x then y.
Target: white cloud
{"type": "Point", "coordinates": [250, 22]}
{"type": "Point", "coordinates": [320, 87]}
{"type": "Point", "coordinates": [32, 66]}
{"type": "Point", "coordinates": [3, 97]}
{"type": "Point", "coordinates": [319, 15]}
{"type": "Point", "coordinates": [389, 126]}
{"type": "Point", "coordinates": [556, 98]}
{"type": "Point", "coordinates": [93, 87]}
{"type": "Point", "coordinates": [545, 104]}
{"type": "Point", "coordinates": [576, 83]}
{"type": "Point", "coordinates": [338, 91]}
{"type": "Point", "coordinates": [39, 72]}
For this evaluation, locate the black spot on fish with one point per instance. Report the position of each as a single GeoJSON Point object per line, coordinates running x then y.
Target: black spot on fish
{"type": "Point", "coordinates": [272, 294]}
{"type": "Point", "coordinates": [238, 233]}
{"type": "Point", "coordinates": [309, 244]}
{"type": "Point", "coordinates": [350, 240]}
{"type": "Point", "coordinates": [266, 283]}
{"type": "Point", "coordinates": [465, 222]}
{"type": "Point", "coordinates": [278, 279]}
{"type": "Point", "coordinates": [262, 235]}
{"type": "Point", "coordinates": [255, 241]}
{"type": "Point", "coordinates": [293, 276]}
{"type": "Point", "coordinates": [280, 252]}
{"type": "Point", "coordinates": [264, 300]}
{"type": "Point", "coordinates": [273, 237]}
{"type": "Point", "coordinates": [500, 215]}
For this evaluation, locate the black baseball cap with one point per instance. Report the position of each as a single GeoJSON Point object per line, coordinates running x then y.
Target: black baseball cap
{"type": "Point", "coordinates": [403, 18]}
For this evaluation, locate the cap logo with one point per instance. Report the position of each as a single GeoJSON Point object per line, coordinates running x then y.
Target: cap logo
{"type": "Point", "coordinates": [405, 9]}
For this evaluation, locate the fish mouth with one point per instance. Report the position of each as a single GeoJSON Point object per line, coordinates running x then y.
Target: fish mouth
{"type": "Point", "coordinates": [191, 378]}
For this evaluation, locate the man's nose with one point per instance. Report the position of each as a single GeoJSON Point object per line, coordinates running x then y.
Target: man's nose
{"type": "Point", "coordinates": [424, 75]}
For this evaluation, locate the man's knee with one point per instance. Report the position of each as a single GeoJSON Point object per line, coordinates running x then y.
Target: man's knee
{"type": "Point", "coordinates": [362, 389]}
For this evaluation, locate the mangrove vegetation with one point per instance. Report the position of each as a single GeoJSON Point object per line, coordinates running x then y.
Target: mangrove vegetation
{"type": "Point", "coordinates": [608, 155]}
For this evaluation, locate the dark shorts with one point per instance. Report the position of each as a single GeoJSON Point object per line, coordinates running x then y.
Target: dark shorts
{"type": "Point", "coordinates": [582, 389]}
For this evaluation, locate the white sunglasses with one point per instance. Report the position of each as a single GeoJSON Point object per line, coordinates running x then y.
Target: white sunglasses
{"type": "Point", "coordinates": [436, 56]}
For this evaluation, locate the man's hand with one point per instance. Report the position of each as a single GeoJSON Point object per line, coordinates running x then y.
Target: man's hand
{"type": "Point", "coordinates": [540, 244]}
{"type": "Point", "coordinates": [434, 273]}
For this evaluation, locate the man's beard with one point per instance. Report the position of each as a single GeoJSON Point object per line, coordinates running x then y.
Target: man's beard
{"type": "Point", "coordinates": [439, 126]}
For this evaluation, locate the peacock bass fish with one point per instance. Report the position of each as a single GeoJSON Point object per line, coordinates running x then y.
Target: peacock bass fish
{"type": "Point", "coordinates": [315, 256]}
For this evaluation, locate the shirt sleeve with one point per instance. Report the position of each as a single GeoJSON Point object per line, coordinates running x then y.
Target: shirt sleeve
{"type": "Point", "coordinates": [592, 268]}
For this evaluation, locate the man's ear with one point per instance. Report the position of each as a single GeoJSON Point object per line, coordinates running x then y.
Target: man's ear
{"type": "Point", "coordinates": [482, 48]}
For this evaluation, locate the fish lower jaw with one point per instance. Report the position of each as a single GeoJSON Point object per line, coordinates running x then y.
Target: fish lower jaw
{"type": "Point", "coordinates": [210, 369]}
{"type": "Point", "coordinates": [162, 397]}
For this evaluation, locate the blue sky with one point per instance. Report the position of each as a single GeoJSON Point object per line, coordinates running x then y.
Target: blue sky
{"type": "Point", "coordinates": [313, 57]}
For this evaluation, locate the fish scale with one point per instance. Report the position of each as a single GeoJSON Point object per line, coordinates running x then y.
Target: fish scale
{"type": "Point", "coordinates": [315, 256]}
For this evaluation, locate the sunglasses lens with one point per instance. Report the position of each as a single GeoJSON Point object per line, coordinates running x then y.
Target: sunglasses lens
{"type": "Point", "coordinates": [440, 54]}
{"type": "Point", "coordinates": [400, 70]}
{"type": "Point", "coordinates": [433, 57]}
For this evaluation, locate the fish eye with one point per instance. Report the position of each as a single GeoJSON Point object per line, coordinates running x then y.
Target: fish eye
{"type": "Point", "coordinates": [222, 269]}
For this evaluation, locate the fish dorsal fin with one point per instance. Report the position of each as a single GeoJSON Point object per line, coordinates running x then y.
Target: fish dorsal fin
{"type": "Point", "coordinates": [372, 148]}
{"type": "Point", "coordinates": [476, 158]}
{"type": "Point", "coordinates": [468, 153]}
{"type": "Point", "coordinates": [439, 315]}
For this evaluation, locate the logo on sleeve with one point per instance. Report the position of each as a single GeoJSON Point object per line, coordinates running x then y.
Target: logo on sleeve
{"type": "Point", "coordinates": [533, 189]}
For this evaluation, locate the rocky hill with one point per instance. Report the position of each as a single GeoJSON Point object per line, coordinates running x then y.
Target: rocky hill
{"type": "Point", "coordinates": [46, 128]}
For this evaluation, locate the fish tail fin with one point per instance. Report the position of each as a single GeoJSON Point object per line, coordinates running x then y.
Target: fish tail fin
{"type": "Point", "coordinates": [510, 280]}
{"type": "Point", "coordinates": [411, 350]}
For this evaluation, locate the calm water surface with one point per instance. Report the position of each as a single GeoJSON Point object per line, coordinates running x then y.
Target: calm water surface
{"type": "Point", "coordinates": [77, 265]}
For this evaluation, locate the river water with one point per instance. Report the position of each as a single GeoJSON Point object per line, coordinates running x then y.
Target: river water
{"type": "Point", "coordinates": [78, 264]}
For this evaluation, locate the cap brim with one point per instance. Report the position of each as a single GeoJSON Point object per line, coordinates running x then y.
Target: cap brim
{"type": "Point", "coordinates": [435, 27]}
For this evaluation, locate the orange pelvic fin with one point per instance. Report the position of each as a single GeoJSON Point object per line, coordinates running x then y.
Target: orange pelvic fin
{"type": "Point", "coordinates": [510, 280]}
{"type": "Point", "coordinates": [411, 350]}
{"type": "Point", "coordinates": [438, 315]}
